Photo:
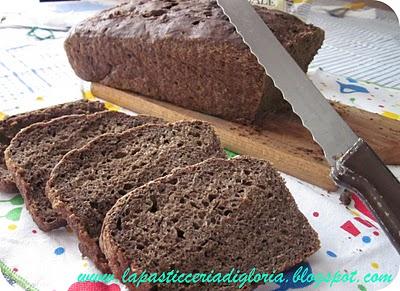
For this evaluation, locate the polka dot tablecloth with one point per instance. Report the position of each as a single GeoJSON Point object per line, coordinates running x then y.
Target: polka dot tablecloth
{"type": "Point", "coordinates": [351, 239]}
{"type": "Point", "coordinates": [363, 95]}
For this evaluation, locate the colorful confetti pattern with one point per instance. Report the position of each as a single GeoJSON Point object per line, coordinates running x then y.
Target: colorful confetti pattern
{"type": "Point", "coordinates": [359, 94]}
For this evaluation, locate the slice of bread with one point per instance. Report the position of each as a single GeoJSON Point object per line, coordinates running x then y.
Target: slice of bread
{"type": "Point", "coordinates": [35, 150]}
{"type": "Point", "coordinates": [216, 215]}
{"type": "Point", "coordinates": [13, 124]}
{"type": "Point", "coordinates": [88, 181]}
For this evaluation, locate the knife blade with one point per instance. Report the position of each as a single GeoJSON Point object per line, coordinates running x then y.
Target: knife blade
{"type": "Point", "coordinates": [354, 164]}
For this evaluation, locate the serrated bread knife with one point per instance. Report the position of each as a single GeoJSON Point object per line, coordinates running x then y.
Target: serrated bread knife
{"type": "Point", "coordinates": [354, 164]}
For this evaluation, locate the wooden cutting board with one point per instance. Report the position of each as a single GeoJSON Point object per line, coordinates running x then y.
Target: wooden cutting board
{"type": "Point", "coordinates": [282, 140]}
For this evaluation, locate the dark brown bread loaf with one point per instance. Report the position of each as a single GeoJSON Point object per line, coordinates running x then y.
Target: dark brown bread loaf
{"type": "Point", "coordinates": [13, 124]}
{"type": "Point", "coordinates": [215, 215]}
{"type": "Point", "coordinates": [35, 150]}
{"type": "Point", "coordinates": [88, 181]}
{"type": "Point", "coordinates": [186, 52]}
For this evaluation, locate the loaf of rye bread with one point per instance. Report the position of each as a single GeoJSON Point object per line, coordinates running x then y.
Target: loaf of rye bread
{"type": "Point", "coordinates": [88, 181]}
{"type": "Point", "coordinates": [13, 124]}
{"type": "Point", "coordinates": [188, 53]}
{"type": "Point", "coordinates": [215, 215]}
{"type": "Point", "coordinates": [35, 150]}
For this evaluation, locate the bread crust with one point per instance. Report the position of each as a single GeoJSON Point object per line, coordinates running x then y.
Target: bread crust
{"type": "Point", "coordinates": [187, 53]}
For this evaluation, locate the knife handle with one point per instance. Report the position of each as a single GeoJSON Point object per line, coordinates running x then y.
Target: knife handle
{"type": "Point", "coordinates": [361, 170]}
